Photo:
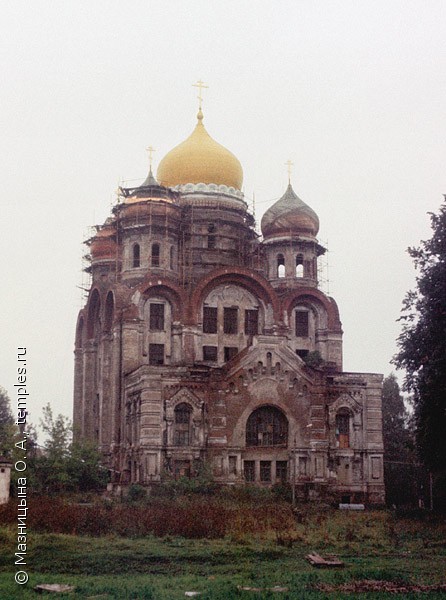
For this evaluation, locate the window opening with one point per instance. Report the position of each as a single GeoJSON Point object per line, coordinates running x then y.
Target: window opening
{"type": "Point", "coordinates": [267, 426]}
{"type": "Point", "coordinates": [301, 323]}
{"type": "Point", "coordinates": [282, 471]}
{"type": "Point", "coordinates": [209, 319]}
{"type": "Point", "coordinates": [183, 414]}
{"type": "Point", "coordinates": [302, 353]}
{"type": "Point", "coordinates": [136, 256]}
{"type": "Point", "coordinates": [343, 429]}
{"type": "Point", "coordinates": [230, 317]}
{"type": "Point", "coordinates": [230, 352]}
{"type": "Point", "coordinates": [156, 317]}
{"type": "Point", "coordinates": [171, 258]}
{"type": "Point", "coordinates": [249, 470]}
{"type": "Point", "coordinates": [155, 255]}
{"type": "Point", "coordinates": [280, 266]}
{"type": "Point", "coordinates": [265, 471]}
{"type": "Point", "coordinates": [299, 265]}
{"type": "Point", "coordinates": [232, 465]}
{"type": "Point", "coordinates": [251, 322]}
{"type": "Point", "coordinates": [156, 354]}
{"type": "Point", "coordinates": [210, 353]}
{"type": "Point", "coordinates": [212, 240]}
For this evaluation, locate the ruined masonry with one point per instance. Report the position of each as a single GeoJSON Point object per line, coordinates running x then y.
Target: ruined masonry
{"type": "Point", "coordinates": [203, 343]}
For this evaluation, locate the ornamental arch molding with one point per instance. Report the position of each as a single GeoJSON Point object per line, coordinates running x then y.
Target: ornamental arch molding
{"type": "Point", "coordinates": [346, 402]}
{"type": "Point", "coordinates": [184, 395]}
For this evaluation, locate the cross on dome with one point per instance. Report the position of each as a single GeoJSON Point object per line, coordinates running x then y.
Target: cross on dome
{"type": "Point", "coordinates": [200, 85]}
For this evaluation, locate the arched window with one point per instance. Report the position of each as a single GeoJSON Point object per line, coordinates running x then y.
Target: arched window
{"type": "Point", "coordinates": [267, 426]}
{"type": "Point", "coordinates": [299, 265]}
{"type": "Point", "coordinates": [94, 311]}
{"type": "Point", "coordinates": [343, 428]}
{"type": "Point", "coordinates": [280, 266]}
{"type": "Point", "coordinates": [136, 260]}
{"type": "Point", "coordinates": [171, 262]}
{"type": "Point", "coordinates": [155, 255]}
{"type": "Point", "coordinates": [182, 425]}
{"type": "Point", "coordinates": [109, 309]}
{"type": "Point", "coordinates": [211, 236]}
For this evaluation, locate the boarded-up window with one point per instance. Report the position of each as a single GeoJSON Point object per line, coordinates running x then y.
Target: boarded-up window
{"type": "Point", "coordinates": [156, 317]}
{"type": "Point", "coordinates": [343, 429]}
{"type": "Point", "coordinates": [156, 354]}
{"type": "Point", "coordinates": [251, 322]}
{"type": "Point", "coordinates": [249, 470]}
{"type": "Point", "coordinates": [232, 465]}
{"type": "Point", "coordinates": [376, 467]}
{"type": "Point", "coordinates": [230, 316]}
{"type": "Point", "coordinates": [301, 323]}
{"type": "Point", "coordinates": [210, 353]}
{"type": "Point", "coordinates": [209, 319]}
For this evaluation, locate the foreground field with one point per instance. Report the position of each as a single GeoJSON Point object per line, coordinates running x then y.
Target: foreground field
{"type": "Point", "coordinates": [374, 545]}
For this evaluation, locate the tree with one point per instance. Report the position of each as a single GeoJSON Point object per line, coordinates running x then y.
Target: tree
{"type": "Point", "coordinates": [401, 474]}
{"type": "Point", "coordinates": [422, 344]}
{"type": "Point", "coordinates": [8, 428]}
{"type": "Point", "coordinates": [65, 466]}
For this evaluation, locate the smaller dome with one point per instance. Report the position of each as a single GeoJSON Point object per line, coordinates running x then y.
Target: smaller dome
{"type": "Point", "coordinates": [103, 245]}
{"type": "Point", "coordinates": [289, 215]}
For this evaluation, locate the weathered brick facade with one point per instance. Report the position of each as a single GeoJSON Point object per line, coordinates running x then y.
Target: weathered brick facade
{"type": "Point", "coordinates": [196, 342]}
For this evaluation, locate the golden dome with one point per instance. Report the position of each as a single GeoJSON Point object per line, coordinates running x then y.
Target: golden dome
{"type": "Point", "coordinates": [200, 159]}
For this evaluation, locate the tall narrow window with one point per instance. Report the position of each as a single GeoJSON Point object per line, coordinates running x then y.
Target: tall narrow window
{"type": "Point", "coordinates": [156, 354]}
{"type": "Point", "coordinates": [280, 266]}
{"type": "Point", "coordinates": [156, 317]}
{"type": "Point", "coordinates": [265, 471]}
{"type": "Point", "coordinates": [183, 414]}
{"type": "Point", "coordinates": [301, 323]}
{"type": "Point", "coordinates": [211, 236]}
{"type": "Point", "coordinates": [343, 429]}
{"type": "Point", "coordinates": [230, 317]}
{"type": "Point", "coordinates": [155, 255]}
{"type": "Point", "coordinates": [209, 319]}
{"type": "Point", "coordinates": [136, 262]}
{"type": "Point", "coordinates": [299, 265]}
{"type": "Point", "coordinates": [249, 470]}
{"type": "Point", "coordinates": [281, 471]}
{"type": "Point", "coordinates": [171, 262]}
{"type": "Point", "coordinates": [251, 322]}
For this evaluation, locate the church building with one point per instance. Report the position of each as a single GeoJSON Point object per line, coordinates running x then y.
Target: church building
{"type": "Point", "coordinates": [205, 343]}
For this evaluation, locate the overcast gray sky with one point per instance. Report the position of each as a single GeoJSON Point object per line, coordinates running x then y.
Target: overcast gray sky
{"type": "Point", "coordinates": [354, 93]}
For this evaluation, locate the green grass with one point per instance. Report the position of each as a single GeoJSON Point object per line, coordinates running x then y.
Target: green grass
{"type": "Point", "coordinates": [374, 545]}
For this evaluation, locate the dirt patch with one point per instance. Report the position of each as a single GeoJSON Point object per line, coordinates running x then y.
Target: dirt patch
{"type": "Point", "coordinates": [370, 585]}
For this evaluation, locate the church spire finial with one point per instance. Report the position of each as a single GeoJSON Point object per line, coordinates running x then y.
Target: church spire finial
{"type": "Point", "coordinates": [150, 151]}
{"type": "Point", "coordinates": [289, 164]}
{"type": "Point", "coordinates": [200, 85]}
